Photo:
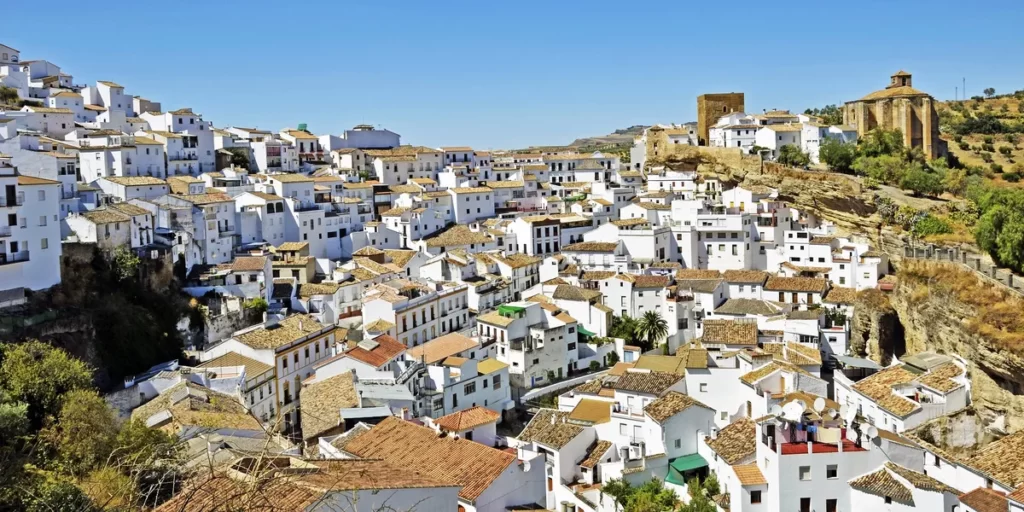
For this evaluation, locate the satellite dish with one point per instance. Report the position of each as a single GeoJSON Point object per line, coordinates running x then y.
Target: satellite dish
{"type": "Point", "coordinates": [776, 410]}
{"type": "Point", "coordinates": [792, 411]}
{"type": "Point", "coordinates": [844, 411]}
{"type": "Point", "coordinates": [819, 404]}
{"type": "Point", "coordinates": [803, 405]}
{"type": "Point", "coordinates": [872, 431]}
{"type": "Point", "coordinates": [831, 413]}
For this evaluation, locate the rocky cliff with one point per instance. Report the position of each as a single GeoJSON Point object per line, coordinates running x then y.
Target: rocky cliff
{"type": "Point", "coordinates": [948, 309]}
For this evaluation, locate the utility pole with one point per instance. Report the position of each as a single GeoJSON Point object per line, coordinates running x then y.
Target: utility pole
{"type": "Point", "coordinates": [965, 87]}
{"type": "Point", "coordinates": [955, 91]}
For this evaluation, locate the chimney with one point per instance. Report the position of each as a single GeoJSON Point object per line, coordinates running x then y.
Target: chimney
{"type": "Point", "coordinates": [552, 419]}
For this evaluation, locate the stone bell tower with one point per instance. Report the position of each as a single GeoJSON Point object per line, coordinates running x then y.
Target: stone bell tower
{"type": "Point", "coordinates": [901, 79]}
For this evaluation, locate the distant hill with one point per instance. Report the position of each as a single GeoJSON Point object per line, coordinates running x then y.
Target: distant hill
{"type": "Point", "coordinates": [618, 137]}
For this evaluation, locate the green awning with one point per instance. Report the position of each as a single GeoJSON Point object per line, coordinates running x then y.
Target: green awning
{"type": "Point", "coordinates": [675, 477]}
{"type": "Point", "coordinates": [688, 462]}
{"type": "Point", "coordinates": [583, 330]}
{"type": "Point", "coordinates": [506, 309]}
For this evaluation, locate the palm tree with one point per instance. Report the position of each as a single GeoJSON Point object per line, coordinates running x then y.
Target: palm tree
{"type": "Point", "coordinates": [651, 328]}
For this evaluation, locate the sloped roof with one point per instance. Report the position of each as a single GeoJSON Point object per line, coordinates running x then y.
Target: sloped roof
{"type": "Point", "coordinates": [467, 419]}
{"type": "Point", "coordinates": [881, 483]}
{"type": "Point", "coordinates": [670, 404]}
{"type": "Point", "coordinates": [570, 292]}
{"type": "Point", "coordinates": [441, 348]}
{"type": "Point", "coordinates": [322, 402]}
{"type": "Point", "coordinates": [649, 382]}
{"type": "Point", "coordinates": [404, 444]}
{"type": "Point", "coordinates": [731, 332]}
{"type": "Point", "coordinates": [550, 428]}
{"type": "Point", "coordinates": [735, 441]}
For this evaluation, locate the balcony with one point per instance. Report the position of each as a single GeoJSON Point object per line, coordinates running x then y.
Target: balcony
{"type": "Point", "coordinates": [225, 229]}
{"type": "Point", "coordinates": [177, 157]}
{"type": "Point", "coordinates": [17, 200]}
{"type": "Point", "coordinates": [14, 257]}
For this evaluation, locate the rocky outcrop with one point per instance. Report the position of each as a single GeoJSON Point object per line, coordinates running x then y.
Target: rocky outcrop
{"type": "Point", "coordinates": [875, 329]}
{"type": "Point", "coordinates": [934, 318]}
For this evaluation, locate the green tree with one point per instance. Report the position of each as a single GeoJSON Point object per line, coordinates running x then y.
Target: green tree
{"type": "Point", "coordinates": [922, 182]}
{"type": "Point", "coordinates": [701, 494]}
{"type": "Point", "coordinates": [829, 114]}
{"type": "Point", "coordinates": [652, 329]}
{"type": "Point", "coordinates": [955, 181]}
{"type": "Point", "coordinates": [989, 91]}
{"type": "Point", "coordinates": [84, 434]}
{"type": "Point", "coordinates": [838, 155]}
{"type": "Point", "coordinates": [624, 327]}
{"type": "Point", "coordinates": [58, 495]}
{"type": "Point", "coordinates": [792, 156]}
{"type": "Point", "coordinates": [39, 375]}
{"type": "Point", "coordinates": [239, 157]}
{"type": "Point", "coordinates": [879, 142]}
{"type": "Point", "coordinates": [619, 489]}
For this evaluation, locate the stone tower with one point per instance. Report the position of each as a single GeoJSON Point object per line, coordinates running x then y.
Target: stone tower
{"type": "Point", "coordinates": [899, 106]}
{"type": "Point", "coordinates": [710, 107]}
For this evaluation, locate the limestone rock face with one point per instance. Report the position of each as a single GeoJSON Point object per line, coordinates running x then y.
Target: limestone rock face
{"type": "Point", "coordinates": [935, 321]}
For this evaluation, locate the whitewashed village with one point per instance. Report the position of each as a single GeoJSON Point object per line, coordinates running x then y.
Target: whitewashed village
{"type": "Point", "coordinates": [459, 329]}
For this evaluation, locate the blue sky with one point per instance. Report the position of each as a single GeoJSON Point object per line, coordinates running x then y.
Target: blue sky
{"type": "Point", "coordinates": [512, 74]}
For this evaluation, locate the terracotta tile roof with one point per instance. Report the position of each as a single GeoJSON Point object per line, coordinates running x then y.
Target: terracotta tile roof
{"type": "Point", "coordinates": [879, 386]}
{"type": "Point", "coordinates": [514, 260]}
{"type": "Point", "coordinates": [941, 377]}
{"type": "Point", "coordinates": [694, 356]}
{"type": "Point", "coordinates": [249, 263]}
{"type": "Point", "coordinates": [379, 325]}
{"type": "Point", "coordinates": [589, 411]}
{"type": "Point", "coordinates": [597, 275]}
{"type": "Point", "coordinates": [253, 368]}
{"type": "Point", "coordinates": [400, 257]}
{"type": "Point", "coordinates": [840, 295]}
{"type": "Point", "coordinates": [322, 288]}
{"type": "Point", "coordinates": [919, 480]}
{"type": "Point", "coordinates": [732, 332]}
{"type": "Point", "coordinates": [494, 318]}
{"type": "Point", "coordinates": [747, 307]}
{"type": "Point", "coordinates": [698, 274]}
{"type": "Point", "coordinates": [322, 401]}
{"type": "Point", "coordinates": [575, 293]}
{"type": "Point", "coordinates": [648, 281]}
{"type": "Point", "coordinates": [654, 206]}
{"type": "Point", "coordinates": [412, 447]}
{"type": "Point", "coordinates": [749, 474]}
{"type": "Point", "coordinates": [794, 353]}
{"type": "Point", "coordinates": [736, 442]}
{"type": "Point", "coordinates": [881, 483]}
{"type": "Point", "coordinates": [136, 181]}
{"type": "Point", "coordinates": [590, 387]}
{"type": "Point", "coordinates": [619, 369]}
{"type": "Point", "coordinates": [591, 247]}
{"type": "Point", "coordinates": [796, 284]}
{"type": "Point", "coordinates": [470, 190]}
{"type": "Point", "coordinates": [670, 404]}
{"type": "Point", "coordinates": [985, 500]}
{"type": "Point", "coordinates": [441, 348]}
{"type": "Point", "coordinates": [193, 405]}
{"type": "Point", "coordinates": [594, 454]}
{"type": "Point", "coordinates": [649, 382]}
{"type": "Point", "coordinates": [745, 276]}
{"type": "Point", "coordinates": [891, 92]}
{"type": "Point", "coordinates": [204, 199]}
{"type": "Point", "coordinates": [105, 216]}
{"type": "Point", "coordinates": [660, 363]}
{"type": "Point", "coordinates": [457, 235]}
{"type": "Point", "coordinates": [221, 492]}
{"type": "Point", "coordinates": [467, 419]}
{"type": "Point", "coordinates": [1002, 460]}
{"type": "Point", "coordinates": [506, 184]}
{"type": "Point", "coordinates": [291, 178]}
{"type": "Point", "coordinates": [625, 223]}
{"type": "Point", "coordinates": [768, 369]}
{"type": "Point", "coordinates": [286, 331]}
{"type": "Point", "coordinates": [550, 428]}
{"type": "Point", "coordinates": [387, 348]}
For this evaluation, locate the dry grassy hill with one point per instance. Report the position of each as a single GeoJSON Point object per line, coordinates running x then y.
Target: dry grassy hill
{"type": "Point", "coordinates": [975, 130]}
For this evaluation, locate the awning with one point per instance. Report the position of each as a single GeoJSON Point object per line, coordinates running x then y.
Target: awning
{"type": "Point", "coordinates": [688, 462]}
{"type": "Point", "coordinates": [505, 309]}
{"type": "Point", "coordinates": [583, 330]}
{"type": "Point", "coordinates": [857, 362]}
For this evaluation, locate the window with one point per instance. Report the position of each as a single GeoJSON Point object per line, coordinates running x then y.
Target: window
{"type": "Point", "coordinates": [703, 387]}
{"type": "Point", "coordinates": [755, 497]}
{"type": "Point", "coordinates": [44, 244]}
{"type": "Point", "coordinates": [831, 505]}
{"type": "Point", "coordinates": [805, 473]}
{"type": "Point", "coordinates": [832, 471]}
{"type": "Point", "coordinates": [42, 195]}
{"type": "Point", "coordinates": [496, 382]}
{"type": "Point", "coordinates": [469, 389]}
{"type": "Point", "coordinates": [724, 415]}
{"type": "Point", "coordinates": [623, 430]}
{"type": "Point", "coordinates": [888, 500]}
{"type": "Point", "coordinates": [678, 443]}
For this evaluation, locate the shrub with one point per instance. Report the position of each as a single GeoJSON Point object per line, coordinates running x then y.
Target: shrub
{"type": "Point", "coordinates": [595, 366]}
{"type": "Point", "coordinates": [986, 157]}
{"type": "Point", "coordinates": [1005, 150]}
{"type": "Point", "coordinates": [958, 138]}
{"type": "Point", "coordinates": [792, 156]}
{"type": "Point", "coordinates": [978, 98]}
{"type": "Point", "coordinates": [989, 139]}
{"type": "Point", "coordinates": [931, 225]}
{"type": "Point", "coordinates": [1012, 177]}
{"type": "Point", "coordinates": [837, 155]}
{"type": "Point", "coordinates": [922, 182]}
{"type": "Point", "coordinates": [988, 147]}
{"type": "Point", "coordinates": [965, 146]}
{"type": "Point", "coordinates": [996, 168]}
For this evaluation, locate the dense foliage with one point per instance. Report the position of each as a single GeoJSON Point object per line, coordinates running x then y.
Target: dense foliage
{"type": "Point", "coordinates": [792, 156]}
{"type": "Point", "coordinates": [61, 447]}
{"type": "Point", "coordinates": [1000, 229]}
{"type": "Point", "coordinates": [881, 157]}
{"type": "Point", "coordinates": [829, 114]}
